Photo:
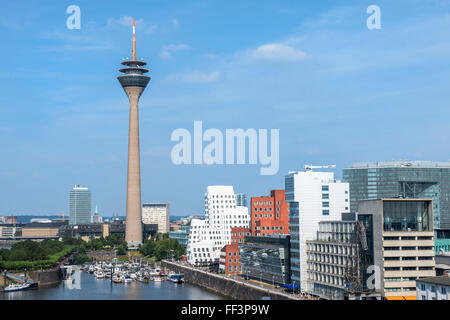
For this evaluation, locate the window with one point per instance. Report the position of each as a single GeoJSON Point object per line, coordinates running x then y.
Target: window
{"type": "Point", "coordinates": [325, 196]}
{"type": "Point", "coordinates": [409, 268]}
{"type": "Point", "coordinates": [325, 188]}
{"type": "Point", "coordinates": [325, 204]}
{"type": "Point", "coordinates": [326, 212]}
{"type": "Point", "coordinates": [444, 290]}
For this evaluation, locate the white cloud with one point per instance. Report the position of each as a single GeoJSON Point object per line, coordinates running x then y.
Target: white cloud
{"type": "Point", "coordinates": [167, 50]}
{"type": "Point", "coordinates": [276, 52]}
{"type": "Point", "coordinates": [194, 77]}
{"type": "Point", "coordinates": [176, 23]}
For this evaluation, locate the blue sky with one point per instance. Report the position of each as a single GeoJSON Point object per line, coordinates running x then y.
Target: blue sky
{"type": "Point", "coordinates": [338, 92]}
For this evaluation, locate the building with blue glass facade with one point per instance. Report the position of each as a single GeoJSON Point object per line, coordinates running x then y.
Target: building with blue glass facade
{"type": "Point", "coordinates": [182, 235]}
{"type": "Point", "coordinates": [402, 179]}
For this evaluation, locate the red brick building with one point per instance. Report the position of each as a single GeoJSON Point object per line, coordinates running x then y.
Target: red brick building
{"type": "Point", "coordinates": [238, 234]}
{"type": "Point", "coordinates": [229, 255]}
{"type": "Point", "coordinates": [270, 215]}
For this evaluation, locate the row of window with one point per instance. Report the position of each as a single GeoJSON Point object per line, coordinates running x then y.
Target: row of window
{"type": "Point", "coordinates": [265, 203]}
{"type": "Point", "coordinates": [406, 258]}
{"type": "Point", "coordinates": [408, 238]}
{"type": "Point", "coordinates": [406, 268]}
{"type": "Point", "coordinates": [408, 248]}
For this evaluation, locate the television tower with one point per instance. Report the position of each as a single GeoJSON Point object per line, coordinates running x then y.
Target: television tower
{"type": "Point", "coordinates": [133, 81]}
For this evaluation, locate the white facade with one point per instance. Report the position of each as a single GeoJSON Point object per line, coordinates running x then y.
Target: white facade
{"type": "Point", "coordinates": [157, 213]}
{"type": "Point", "coordinates": [435, 288]}
{"type": "Point", "coordinates": [209, 235]}
{"type": "Point", "coordinates": [313, 197]}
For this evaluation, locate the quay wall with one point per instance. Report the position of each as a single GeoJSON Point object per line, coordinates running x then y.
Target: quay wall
{"type": "Point", "coordinates": [222, 285]}
{"type": "Point", "coordinates": [46, 278]}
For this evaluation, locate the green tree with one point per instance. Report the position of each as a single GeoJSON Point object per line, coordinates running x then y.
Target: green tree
{"type": "Point", "coordinates": [122, 250]}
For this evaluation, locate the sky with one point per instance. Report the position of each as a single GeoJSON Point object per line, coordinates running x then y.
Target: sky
{"type": "Point", "coordinates": [338, 92]}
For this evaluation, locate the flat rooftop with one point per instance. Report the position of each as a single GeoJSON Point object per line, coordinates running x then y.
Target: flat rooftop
{"type": "Point", "coordinates": [400, 164]}
{"type": "Point", "coordinates": [440, 280]}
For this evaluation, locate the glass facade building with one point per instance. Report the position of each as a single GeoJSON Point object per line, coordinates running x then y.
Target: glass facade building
{"type": "Point", "coordinates": [182, 235]}
{"type": "Point", "coordinates": [241, 199]}
{"type": "Point", "coordinates": [79, 205]}
{"type": "Point", "coordinates": [266, 258]}
{"type": "Point", "coordinates": [402, 179]}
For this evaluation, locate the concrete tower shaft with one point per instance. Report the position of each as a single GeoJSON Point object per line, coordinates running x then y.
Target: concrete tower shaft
{"type": "Point", "coordinates": [133, 229]}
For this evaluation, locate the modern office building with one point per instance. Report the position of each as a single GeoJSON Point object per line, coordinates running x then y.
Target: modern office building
{"type": "Point", "coordinates": [402, 179]}
{"type": "Point", "coordinates": [79, 205]}
{"type": "Point", "coordinates": [181, 235]}
{"type": "Point", "coordinates": [157, 213]}
{"type": "Point", "coordinates": [433, 288]}
{"type": "Point", "coordinates": [270, 215]}
{"type": "Point", "coordinates": [209, 235]}
{"type": "Point", "coordinates": [441, 241]}
{"type": "Point", "coordinates": [329, 258]}
{"type": "Point", "coordinates": [312, 197]}
{"type": "Point", "coordinates": [400, 243]}
{"type": "Point", "coordinates": [241, 200]}
{"type": "Point", "coordinates": [134, 82]}
{"type": "Point", "coordinates": [266, 258]}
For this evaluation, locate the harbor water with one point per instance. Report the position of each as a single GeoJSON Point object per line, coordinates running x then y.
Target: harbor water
{"type": "Point", "coordinates": [90, 288]}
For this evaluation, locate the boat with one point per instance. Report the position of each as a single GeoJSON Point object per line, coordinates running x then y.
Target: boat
{"type": "Point", "coordinates": [17, 287]}
{"type": "Point", "coordinates": [127, 279]}
{"type": "Point", "coordinates": [176, 278]}
{"type": "Point", "coordinates": [99, 274]}
{"type": "Point", "coordinates": [157, 279]}
{"type": "Point", "coordinates": [117, 279]}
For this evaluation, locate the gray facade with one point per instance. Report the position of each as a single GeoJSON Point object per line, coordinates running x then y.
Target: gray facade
{"type": "Point", "coordinates": [402, 179]}
{"type": "Point", "coordinates": [266, 258]}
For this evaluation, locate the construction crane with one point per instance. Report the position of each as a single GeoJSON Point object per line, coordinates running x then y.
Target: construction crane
{"type": "Point", "coordinates": [309, 167]}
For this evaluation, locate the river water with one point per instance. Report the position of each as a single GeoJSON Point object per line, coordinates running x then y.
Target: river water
{"type": "Point", "coordinates": [91, 288]}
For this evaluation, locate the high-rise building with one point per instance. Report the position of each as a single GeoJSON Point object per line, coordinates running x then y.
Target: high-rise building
{"type": "Point", "coordinates": [79, 205]}
{"type": "Point", "coordinates": [157, 213]}
{"type": "Point", "coordinates": [208, 236]}
{"type": "Point", "coordinates": [399, 235]}
{"type": "Point", "coordinates": [270, 215]}
{"type": "Point", "coordinates": [402, 179]}
{"type": "Point", "coordinates": [312, 197]}
{"type": "Point", "coordinates": [134, 82]}
{"type": "Point", "coordinates": [241, 199]}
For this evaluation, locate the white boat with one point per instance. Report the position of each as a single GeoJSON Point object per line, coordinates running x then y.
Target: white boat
{"type": "Point", "coordinates": [99, 274]}
{"type": "Point", "coordinates": [16, 287]}
{"type": "Point", "coordinates": [176, 278]}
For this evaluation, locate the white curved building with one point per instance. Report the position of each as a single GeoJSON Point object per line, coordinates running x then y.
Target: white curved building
{"type": "Point", "coordinates": [209, 235]}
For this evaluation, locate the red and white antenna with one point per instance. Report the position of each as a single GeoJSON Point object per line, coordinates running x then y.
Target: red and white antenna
{"type": "Point", "coordinates": [133, 49]}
